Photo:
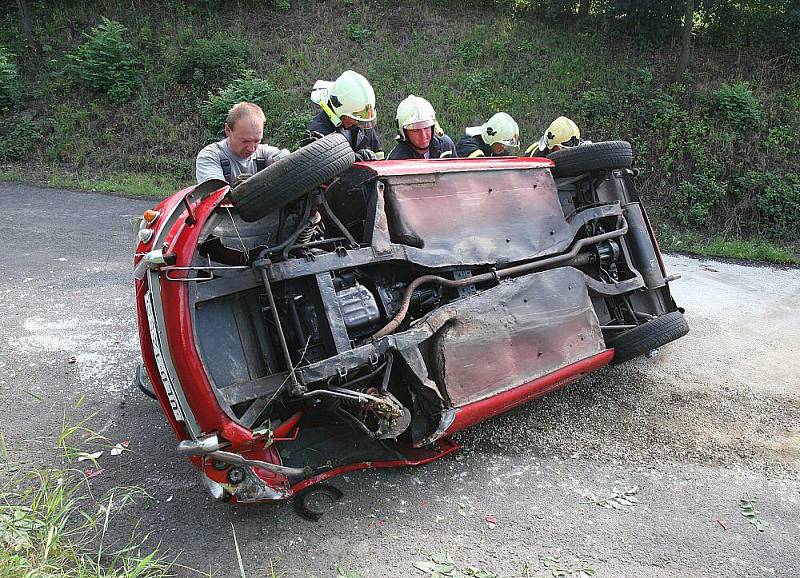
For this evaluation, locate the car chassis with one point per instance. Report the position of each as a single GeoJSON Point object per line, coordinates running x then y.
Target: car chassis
{"type": "Point", "coordinates": [363, 322]}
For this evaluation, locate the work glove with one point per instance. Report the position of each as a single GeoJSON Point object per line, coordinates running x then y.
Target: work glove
{"type": "Point", "coordinates": [366, 155]}
{"type": "Point", "coordinates": [310, 136]}
{"type": "Point", "coordinates": [240, 179]}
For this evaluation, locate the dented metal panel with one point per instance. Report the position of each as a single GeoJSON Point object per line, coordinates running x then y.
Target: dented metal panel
{"type": "Point", "coordinates": [523, 329]}
{"type": "Point", "coordinates": [508, 217]}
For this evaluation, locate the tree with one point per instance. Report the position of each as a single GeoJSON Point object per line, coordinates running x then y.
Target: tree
{"type": "Point", "coordinates": [25, 20]}
{"type": "Point", "coordinates": [686, 40]}
{"type": "Point", "coordinates": [583, 10]}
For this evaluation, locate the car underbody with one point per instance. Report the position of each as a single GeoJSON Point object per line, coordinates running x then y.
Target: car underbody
{"type": "Point", "coordinates": [363, 323]}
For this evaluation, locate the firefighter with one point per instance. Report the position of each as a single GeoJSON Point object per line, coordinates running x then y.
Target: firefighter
{"type": "Point", "coordinates": [348, 106]}
{"type": "Point", "coordinates": [561, 133]}
{"type": "Point", "coordinates": [498, 136]}
{"type": "Point", "coordinates": [418, 134]}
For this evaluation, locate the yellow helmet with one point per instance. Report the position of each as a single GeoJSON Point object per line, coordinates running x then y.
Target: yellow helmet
{"type": "Point", "coordinates": [562, 132]}
{"type": "Point", "coordinates": [500, 129]}
{"type": "Point", "coordinates": [349, 95]}
{"type": "Point", "coordinates": [414, 112]}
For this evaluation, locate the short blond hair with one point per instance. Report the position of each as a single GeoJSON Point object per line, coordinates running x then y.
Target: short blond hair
{"type": "Point", "coordinates": [242, 111]}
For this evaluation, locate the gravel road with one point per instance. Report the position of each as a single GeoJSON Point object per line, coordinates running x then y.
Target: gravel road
{"type": "Point", "coordinates": [713, 418]}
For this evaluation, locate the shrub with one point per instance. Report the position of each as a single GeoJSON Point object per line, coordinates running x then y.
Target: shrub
{"type": "Point", "coordinates": [292, 130]}
{"type": "Point", "coordinates": [696, 199]}
{"type": "Point", "coordinates": [19, 137]}
{"type": "Point", "coordinates": [738, 107]}
{"type": "Point", "coordinates": [250, 89]}
{"type": "Point", "coordinates": [776, 198]}
{"type": "Point", "coordinates": [212, 62]}
{"type": "Point", "coordinates": [9, 80]}
{"type": "Point", "coordinates": [595, 105]}
{"type": "Point", "coordinates": [106, 63]}
{"type": "Point", "coordinates": [356, 31]}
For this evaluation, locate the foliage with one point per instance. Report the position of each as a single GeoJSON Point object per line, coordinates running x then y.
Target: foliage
{"type": "Point", "coordinates": [9, 80]}
{"type": "Point", "coordinates": [106, 63]}
{"type": "Point", "coordinates": [356, 31]}
{"type": "Point", "coordinates": [212, 62]}
{"type": "Point", "coordinates": [292, 130]}
{"type": "Point", "coordinates": [655, 20]}
{"type": "Point", "coordinates": [50, 526]}
{"type": "Point", "coordinates": [737, 106]}
{"type": "Point", "coordinates": [19, 137]}
{"type": "Point", "coordinates": [248, 88]}
{"type": "Point", "coordinates": [777, 200]}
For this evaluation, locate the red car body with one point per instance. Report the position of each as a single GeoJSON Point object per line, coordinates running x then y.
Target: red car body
{"type": "Point", "coordinates": [495, 349]}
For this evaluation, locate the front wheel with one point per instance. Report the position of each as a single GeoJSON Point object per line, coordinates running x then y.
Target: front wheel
{"type": "Point", "coordinates": [648, 336]}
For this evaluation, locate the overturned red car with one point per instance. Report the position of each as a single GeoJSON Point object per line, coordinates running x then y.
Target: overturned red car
{"type": "Point", "coordinates": [327, 316]}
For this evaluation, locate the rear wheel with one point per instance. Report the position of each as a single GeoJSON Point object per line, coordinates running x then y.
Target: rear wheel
{"type": "Point", "coordinates": [573, 161]}
{"type": "Point", "coordinates": [648, 336]}
{"type": "Point", "coordinates": [293, 176]}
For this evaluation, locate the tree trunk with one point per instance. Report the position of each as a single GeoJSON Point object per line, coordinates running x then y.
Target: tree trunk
{"type": "Point", "coordinates": [25, 20]}
{"type": "Point", "coordinates": [686, 40]}
{"type": "Point", "coordinates": [583, 11]}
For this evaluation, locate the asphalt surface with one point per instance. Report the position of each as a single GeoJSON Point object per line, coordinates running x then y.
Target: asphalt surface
{"type": "Point", "coordinates": [714, 418]}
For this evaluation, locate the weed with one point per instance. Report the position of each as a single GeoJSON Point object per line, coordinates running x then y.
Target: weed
{"type": "Point", "coordinates": [356, 31]}
{"type": "Point", "coordinates": [49, 526]}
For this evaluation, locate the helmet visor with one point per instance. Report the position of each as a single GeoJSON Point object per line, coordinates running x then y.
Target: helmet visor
{"type": "Point", "coordinates": [420, 124]}
{"type": "Point", "coordinates": [365, 117]}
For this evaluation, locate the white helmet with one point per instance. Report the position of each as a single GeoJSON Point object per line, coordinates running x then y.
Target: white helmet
{"type": "Point", "coordinates": [349, 95]}
{"type": "Point", "coordinates": [562, 132]}
{"type": "Point", "coordinates": [501, 128]}
{"type": "Point", "coordinates": [414, 112]}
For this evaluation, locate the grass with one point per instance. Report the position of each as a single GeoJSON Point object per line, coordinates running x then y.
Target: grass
{"type": "Point", "coordinates": [670, 239]}
{"type": "Point", "coordinates": [127, 184]}
{"type": "Point", "coordinates": [50, 526]}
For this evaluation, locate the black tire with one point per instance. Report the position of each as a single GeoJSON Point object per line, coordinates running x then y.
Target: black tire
{"type": "Point", "coordinates": [293, 176]}
{"type": "Point", "coordinates": [648, 336]}
{"type": "Point", "coordinates": [573, 161]}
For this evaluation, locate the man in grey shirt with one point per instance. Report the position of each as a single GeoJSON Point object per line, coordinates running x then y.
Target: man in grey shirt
{"type": "Point", "coordinates": [240, 154]}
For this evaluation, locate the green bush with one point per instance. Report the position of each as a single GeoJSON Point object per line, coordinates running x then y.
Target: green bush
{"type": "Point", "coordinates": [292, 130]}
{"type": "Point", "coordinates": [212, 62]}
{"type": "Point", "coordinates": [738, 107]}
{"type": "Point", "coordinates": [356, 31]}
{"type": "Point", "coordinates": [595, 105]}
{"type": "Point", "coordinates": [106, 63]}
{"type": "Point", "coordinates": [19, 137]}
{"type": "Point", "coordinates": [696, 199]}
{"type": "Point", "coordinates": [249, 88]}
{"type": "Point", "coordinates": [9, 80]}
{"type": "Point", "coordinates": [777, 201]}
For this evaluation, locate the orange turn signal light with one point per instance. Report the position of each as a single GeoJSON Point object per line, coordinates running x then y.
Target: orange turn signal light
{"type": "Point", "coordinates": [150, 216]}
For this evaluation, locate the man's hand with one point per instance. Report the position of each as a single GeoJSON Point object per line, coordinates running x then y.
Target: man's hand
{"type": "Point", "coordinates": [366, 155]}
{"type": "Point", "coordinates": [310, 136]}
{"type": "Point", "coordinates": [240, 179]}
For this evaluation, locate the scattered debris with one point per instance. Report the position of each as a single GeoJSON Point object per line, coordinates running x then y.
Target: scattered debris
{"type": "Point", "coordinates": [747, 505]}
{"type": "Point", "coordinates": [724, 523]}
{"type": "Point", "coordinates": [72, 359]}
{"type": "Point", "coordinates": [119, 448]}
{"type": "Point", "coordinates": [92, 457]}
{"type": "Point", "coordinates": [93, 472]}
{"type": "Point", "coordinates": [491, 521]}
{"type": "Point", "coordinates": [441, 565]}
{"type": "Point", "coordinates": [618, 500]}
{"type": "Point", "coordinates": [313, 502]}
